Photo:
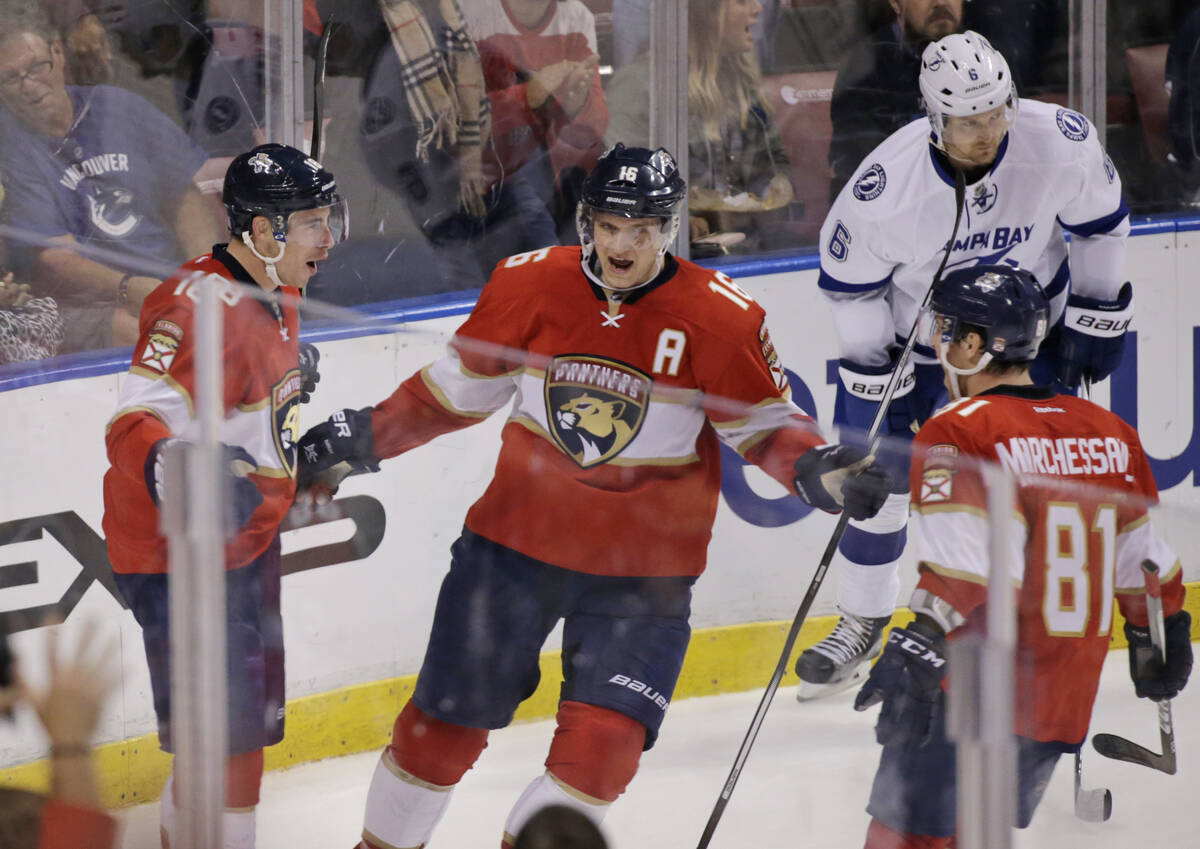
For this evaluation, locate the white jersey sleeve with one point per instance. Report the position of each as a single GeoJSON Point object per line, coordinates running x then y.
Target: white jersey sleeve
{"type": "Point", "coordinates": [1096, 217]}
{"type": "Point", "coordinates": [877, 224]}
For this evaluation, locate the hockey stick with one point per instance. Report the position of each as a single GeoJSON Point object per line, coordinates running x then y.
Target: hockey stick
{"type": "Point", "coordinates": [1090, 805]}
{"type": "Point", "coordinates": [319, 89]}
{"type": "Point", "coordinates": [760, 713]}
{"type": "Point", "coordinates": [1118, 748]}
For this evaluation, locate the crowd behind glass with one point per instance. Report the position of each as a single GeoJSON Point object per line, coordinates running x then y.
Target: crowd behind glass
{"type": "Point", "coordinates": [460, 130]}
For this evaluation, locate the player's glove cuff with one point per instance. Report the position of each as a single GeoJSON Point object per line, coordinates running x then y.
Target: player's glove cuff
{"type": "Point", "coordinates": [868, 383]}
{"type": "Point", "coordinates": [842, 477]}
{"type": "Point", "coordinates": [155, 470]}
{"type": "Point", "coordinates": [1152, 677]}
{"type": "Point", "coordinates": [333, 450]}
{"type": "Point", "coordinates": [309, 376]}
{"type": "Point", "coordinates": [1093, 338]}
{"type": "Point", "coordinates": [1095, 317]}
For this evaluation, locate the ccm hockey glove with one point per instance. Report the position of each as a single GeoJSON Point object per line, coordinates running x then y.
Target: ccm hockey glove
{"type": "Point", "coordinates": [842, 477]}
{"type": "Point", "coordinates": [241, 497]}
{"type": "Point", "coordinates": [330, 452]}
{"type": "Point", "coordinates": [908, 680]}
{"type": "Point", "coordinates": [310, 377]}
{"type": "Point", "coordinates": [1093, 337]}
{"type": "Point", "coordinates": [1152, 678]}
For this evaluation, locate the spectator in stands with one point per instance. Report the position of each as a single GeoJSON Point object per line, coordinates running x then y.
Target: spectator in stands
{"type": "Point", "coordinates": [876, 89]}
{"type": "Point", "coordinates": [68, 707]}
{"type": "Point", "coordinates": [1183, 83]}
{"type": "Point", "coordinates": [548, 109]}
{"type": "Point", "coordinates": [87, 168]}
{"type": "Point", "coordinates": [738, 170]}
{"type": "Point", "coordinates": [559, 827]}
{"type": "Point", "coordinates": [631, 30]}
{"type": "Point", "coordinates": [409, 125]}
{"type": "Point", "coordinates": [1031, 35]}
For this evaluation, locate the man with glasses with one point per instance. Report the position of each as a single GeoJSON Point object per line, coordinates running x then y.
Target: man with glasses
{"type": "Point", "coordinates": [92, 167]}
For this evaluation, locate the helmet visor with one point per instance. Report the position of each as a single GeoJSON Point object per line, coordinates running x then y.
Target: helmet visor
{"type": "Point", "coordinates": [935, 330]}
{"type": "Point", "coordinates": [322, 225]}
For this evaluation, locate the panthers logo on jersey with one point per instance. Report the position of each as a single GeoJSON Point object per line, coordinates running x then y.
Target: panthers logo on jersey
{"type": "Point", "coordinates": [285, 416]}
{"type": "Point", "coordinates": [594, 406]}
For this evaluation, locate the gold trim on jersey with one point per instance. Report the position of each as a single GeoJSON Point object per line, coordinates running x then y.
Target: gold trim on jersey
{"type": "Point", "coordinates": [126, 410]}
{"type": "Point", "coordinates": [576, 794]}
{"type": "Point", "coordinates": [951, 508]}
{"type": "Point", "coordinates": [151, 375]}
{"type": "Point", "coordinates": [536, 429]}
{"type": "Point", "coordinates": [260, 404]}
{"type": "Point", "coordinates": [958, 574]}
{"type": "Point", "coordinates": [1135, 524]}
{"type": "Point", "coordinates": [752, 440]}
{"type": "Point", "coordinates": [745, 420]}
{"type": "Point", "coordinates": [440, 396]}
{"type": "Point", "coordinates": [475, 375]}
{"type": "Point", "coordinates": [407, 777]}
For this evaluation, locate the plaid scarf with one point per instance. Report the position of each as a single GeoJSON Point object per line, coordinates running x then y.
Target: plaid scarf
{"type": "Point", "coordinates": [443, 82]}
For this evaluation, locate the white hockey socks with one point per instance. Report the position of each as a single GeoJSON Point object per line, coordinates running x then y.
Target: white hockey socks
{"type": "Point", "coordinates": [548, 790]}
{"type": "Point", "coordinates": [166, 812]}
{"type": "Point", "coordinates": [871, 590]}
{"type": "Point", "coordinates": [239, 828]}
{"type": "Point", "coordinates": [238, 825]}
{"type": "Point", "coordinates": [402, 810]}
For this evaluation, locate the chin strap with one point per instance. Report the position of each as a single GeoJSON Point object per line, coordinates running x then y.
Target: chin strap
{"type": "Point", "coordinates": [955, 392]}
{"type": "Point", "coordinates": [268, 261]}
{"type": "Point", "coordinates": [586, 264]}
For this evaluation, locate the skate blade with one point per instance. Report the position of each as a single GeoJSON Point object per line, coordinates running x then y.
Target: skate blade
{"type": "Point", "coordinates": [808, 691]}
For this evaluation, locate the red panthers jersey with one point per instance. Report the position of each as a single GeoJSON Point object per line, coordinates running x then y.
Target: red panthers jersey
{"type": "Point", "coordinates": [261, 400]}
{"type": "Point", "coordinates": [610, 462]}
{"type": "Point", "coordinates": [1080, 531]}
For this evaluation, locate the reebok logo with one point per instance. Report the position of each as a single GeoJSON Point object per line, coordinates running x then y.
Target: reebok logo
{"type": "Point", "coordinates": [640, 687]}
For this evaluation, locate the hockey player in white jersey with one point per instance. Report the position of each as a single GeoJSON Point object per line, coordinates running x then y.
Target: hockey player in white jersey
{"type": "Point", "coordinates": [1033, 172]}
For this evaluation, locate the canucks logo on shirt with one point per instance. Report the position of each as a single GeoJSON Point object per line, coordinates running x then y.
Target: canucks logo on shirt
{"type": "Point", "coordinates": [111, 209]}
{"type": "Point", "coordinates": [594, 406]}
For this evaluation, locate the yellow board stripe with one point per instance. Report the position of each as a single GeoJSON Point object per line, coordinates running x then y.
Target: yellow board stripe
{"type": "Point", "coordinates": [359, 718]}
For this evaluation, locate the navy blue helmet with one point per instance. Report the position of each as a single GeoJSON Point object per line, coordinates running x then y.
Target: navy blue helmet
{"type": "Point", "coordinates": [275, 180]}
{"type": "Point", "coordinates": [632, 182]}
{"type": "Point", "coordinates": [635, 182]}
{"type": "Point", "coordinates": [1005, 305]}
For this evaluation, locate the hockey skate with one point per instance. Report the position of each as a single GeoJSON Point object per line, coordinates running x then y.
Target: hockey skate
{"type": "Point", "coordinates": [841, 660]}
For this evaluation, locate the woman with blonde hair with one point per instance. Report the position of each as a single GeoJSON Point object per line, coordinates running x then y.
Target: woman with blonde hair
{"type": "Point", "coordinates": [737, 166]}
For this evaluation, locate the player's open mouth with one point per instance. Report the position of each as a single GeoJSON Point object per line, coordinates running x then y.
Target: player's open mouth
{"type": "Point", "coordinates": [312, 266]}
{"type": "Point", "coordinates": [620, 265]}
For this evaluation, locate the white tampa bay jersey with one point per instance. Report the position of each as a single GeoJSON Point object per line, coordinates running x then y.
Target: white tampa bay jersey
{"type": "Point", "coordinates": [886, 232]}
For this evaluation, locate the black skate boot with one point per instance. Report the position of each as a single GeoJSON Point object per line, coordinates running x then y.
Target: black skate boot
{"type": "Point", "coordinates": [841, 660]}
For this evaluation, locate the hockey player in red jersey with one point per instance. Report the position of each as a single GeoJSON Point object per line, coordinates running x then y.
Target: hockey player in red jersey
{"type": "Point", "coordinates": [625, 366]}
{"type": "Point", "coordinates": [284, 216]}
{"type": "Point", "coordinates": [1084, 486]}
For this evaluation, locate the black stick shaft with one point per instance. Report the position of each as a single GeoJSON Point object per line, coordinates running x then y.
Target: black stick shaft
{"type": "Point", "coordinates": [319, 89]}
{"type": "Point", "coordinates": [830, 549]}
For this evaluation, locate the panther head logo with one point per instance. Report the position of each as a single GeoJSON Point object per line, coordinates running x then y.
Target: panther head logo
{"type": "Point", "coordinates": [594, 406]}
{"type": "Point", "coordinates": [595, 423]}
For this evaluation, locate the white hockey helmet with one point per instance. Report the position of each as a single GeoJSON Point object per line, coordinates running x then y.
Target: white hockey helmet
{"type": "Point", "coordinates": [962, 74]}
